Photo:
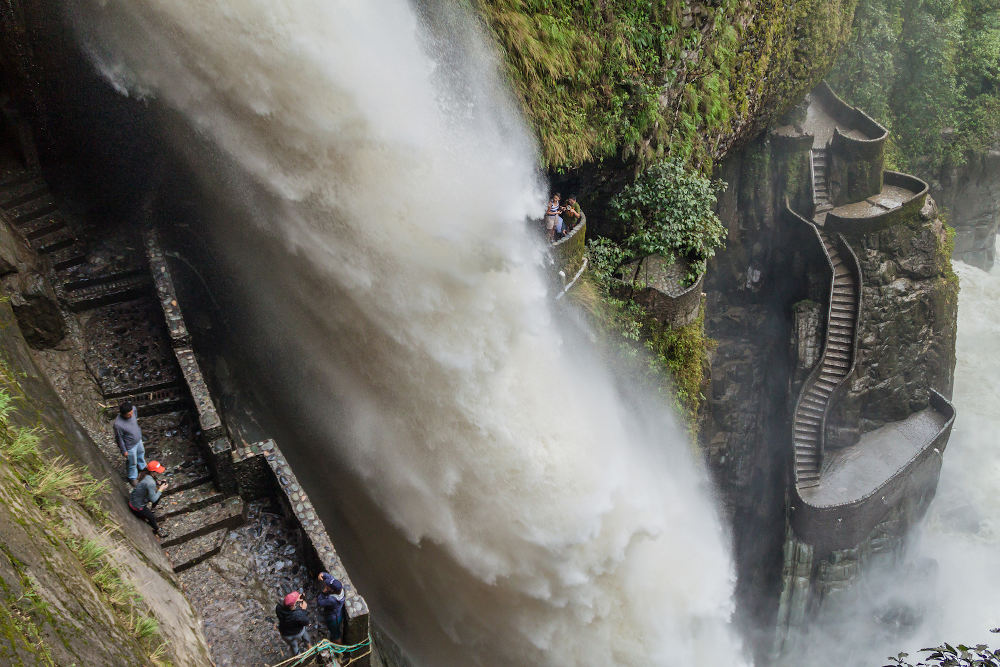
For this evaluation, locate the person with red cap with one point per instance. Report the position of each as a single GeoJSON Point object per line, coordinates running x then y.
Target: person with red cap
{"type": "Point", "coordinates": [146, 494]}
{"type": "Point", "coordinates": [293, 621]}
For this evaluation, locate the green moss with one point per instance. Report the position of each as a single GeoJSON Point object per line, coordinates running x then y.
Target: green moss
{"type": "Point", "coordinates": [683, 351]}
{"type": "Point", "coordinates": [618, 78]}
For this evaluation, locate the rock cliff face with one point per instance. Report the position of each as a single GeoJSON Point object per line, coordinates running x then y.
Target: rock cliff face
{"type": "Point", "coordinates": [970, 195]}
{"type": "Point", "coordinates": [57, 610]}
{"type": "Point", "coordinates": [751, 289]}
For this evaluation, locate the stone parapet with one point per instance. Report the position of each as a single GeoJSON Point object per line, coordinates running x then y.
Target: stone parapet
{"type": "Point", "coordinates": [899, 201]}
{"type": "Point", "coordinates": [857, 149]}
{"type": "Point", "coordinates": [656, 283]}
{"type": "Point", "coordinates": [846, 524]}
{"type": "Point", "coordinates": [256, 470]}
{"type": "Point", "coordinates": [568, 253]}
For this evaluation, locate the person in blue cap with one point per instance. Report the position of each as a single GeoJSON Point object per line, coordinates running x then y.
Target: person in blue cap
{"type": "Point", "coordinates": [331, 604]}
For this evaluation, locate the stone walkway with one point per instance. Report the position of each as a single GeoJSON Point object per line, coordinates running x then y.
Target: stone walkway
{"type": "Point", "coordinates": [856, 472]}
{"type": "Point", "coordinates": [233, 561]}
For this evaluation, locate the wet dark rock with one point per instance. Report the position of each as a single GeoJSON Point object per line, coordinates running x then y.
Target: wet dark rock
{"type": "Point", "coordinates": [36, 308]}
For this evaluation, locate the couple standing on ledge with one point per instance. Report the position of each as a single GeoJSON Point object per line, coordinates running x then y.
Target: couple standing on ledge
{"type": "Point", "coordinates": [555, 227]}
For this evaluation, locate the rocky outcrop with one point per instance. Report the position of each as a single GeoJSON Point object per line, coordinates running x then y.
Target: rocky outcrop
{"type": "Point", "coordinates": [906, 341]}
{"type": "Point", "coordinates": [970, 195]}
{"type": "Point", "coordinates": [776, 283]}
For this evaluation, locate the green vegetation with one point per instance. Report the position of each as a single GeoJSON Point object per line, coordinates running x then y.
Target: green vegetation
{"type": "Point", "coordinates": [669, 211]}
{"type": "Point", "coordinates": [930, 71]}
{"type": "Point", "coordinates": [669, 360]}
{"type": "Point", "coordinates": [947, 655]}
{"type": "Point", "coordinates": [23, 616]}
{"type": "Point", "coordinates": [56, 486]}
{"type": "Point", "coordinates": [618, 78]}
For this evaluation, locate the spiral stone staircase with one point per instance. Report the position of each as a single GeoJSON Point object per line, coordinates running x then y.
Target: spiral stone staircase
{"type": "Point", "coordinates": [842, 493]}
{"type": "Point", "coordinates": [835, 364]}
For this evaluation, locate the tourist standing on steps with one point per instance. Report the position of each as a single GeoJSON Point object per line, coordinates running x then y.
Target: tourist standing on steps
{"type": "Point", "coordinates": [293, 621]}
{"type": "Point", "coordinates": [331, 604]}
{"type": "Point", "coordinates": [552, 217]}
{"type": "Point", "coordinates": [128, 437]}
{"type": "Point", "coordinates": [146, 494]}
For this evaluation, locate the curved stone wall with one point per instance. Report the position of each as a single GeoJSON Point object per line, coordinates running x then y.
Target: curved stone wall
{"type": "Point", "coordinates": [868, 220]}
{"type": "Point", "coordinates": [654, 281]}
{"type": "Point", "coordinates": [844, 526]}
{"type": "Point", "coordinates": [855, 161]}
{"type": "Point", "coordinates": [568, 253]}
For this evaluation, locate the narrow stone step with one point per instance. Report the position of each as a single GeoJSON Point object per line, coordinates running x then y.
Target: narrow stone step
{"type": "Point", "coordinates": [806, 427]}
{"type": "Point", "coordinates": [163, 400]}
{"type": "Point", "coordinates": [186, 470]}
{"type": "Point", "coordinates": [67, 258]}
{"type": "Point", "coordinates": [196, 550]}
{"type": "Point", "coordinates": [813, 401]}
{"type": "Point", "coordinates": [188, 500]}
{"type": "Point", "coordinates": [115, 288]}
{"type": "Point", "coordinates": [22, 192]}
{"type": "Point", "coordinates": [17, 176]}
{"type": "Point", "coordinates": [185, 527]}
{"type": "Point", "coordinates": [806, 437]}
{"type": "Point", "coordinates": [56, 239]}
{"type": "Point", "coordinates": [42, 226]}
{"type": "Point", "coordinates": [30, 210]}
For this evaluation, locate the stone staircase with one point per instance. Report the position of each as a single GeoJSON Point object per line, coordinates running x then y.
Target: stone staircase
{"type": "Point", "coordinates": [821, 185]}
{"type": "Point", "coordinates": [25, 197]}
{"type": "Point", "coordinates": [833, 367]}
{"type": "Point", "coordinates": [131, 357]}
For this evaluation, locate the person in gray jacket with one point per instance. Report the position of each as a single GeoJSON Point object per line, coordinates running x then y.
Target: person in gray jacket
{"type": "Point", "coordinates": [128, 437]}
{"type": "Point", "coordinates": [146, 494]}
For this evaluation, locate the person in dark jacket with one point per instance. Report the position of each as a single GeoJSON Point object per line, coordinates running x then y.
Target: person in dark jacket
{"type": "Point", "coordinates": [293, 622]}
{"type": "Point", "coordinates": [128, 437]}
{"type": "Point", "coordinates": [146, 494]}
{"type": "Point", "coordinates": [331, 604]}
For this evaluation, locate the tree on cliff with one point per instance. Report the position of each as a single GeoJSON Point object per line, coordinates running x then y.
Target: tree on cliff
{"type": "Point", "coordinates": [669, 211]}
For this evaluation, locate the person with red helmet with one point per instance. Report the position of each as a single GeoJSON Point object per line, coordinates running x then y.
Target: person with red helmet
{"type": "Point", "coordinates": [146, 494]}
{"type": "Point", "coordinates": [293, 621]}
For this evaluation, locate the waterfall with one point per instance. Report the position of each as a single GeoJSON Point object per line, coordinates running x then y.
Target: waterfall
{"type": "Point", "coordinates": [528, 508]}
{"type": "Point", "coordinates": [962, 529]}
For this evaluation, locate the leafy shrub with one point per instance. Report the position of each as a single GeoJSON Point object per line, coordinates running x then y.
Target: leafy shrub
{"type": "Point", "coordinates": [668, 211]}
{"type": "Point", "coordinates": [947, 655]}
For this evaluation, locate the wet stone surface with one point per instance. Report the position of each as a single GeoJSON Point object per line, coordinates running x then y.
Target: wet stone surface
{"type": "Point", "coordinates": [170, 439]}
{"type": "Point", "coordinates": [261, 561]}
{"type": "Point", "coordinates": [127, 348]}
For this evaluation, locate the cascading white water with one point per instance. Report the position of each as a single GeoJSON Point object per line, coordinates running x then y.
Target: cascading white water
{"type": "Point", "coordinates": [962, 530]}
{"type": "Point", "coordinates": [400, 299]}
